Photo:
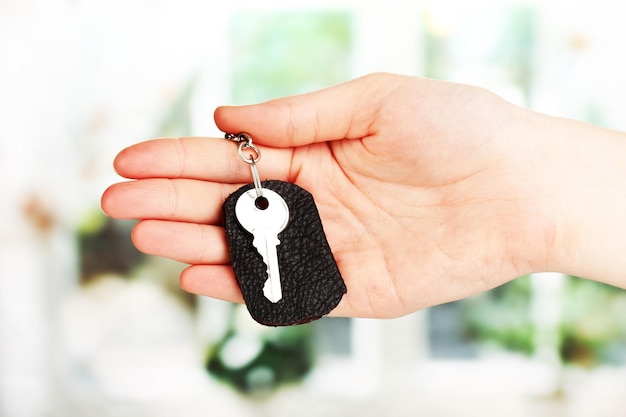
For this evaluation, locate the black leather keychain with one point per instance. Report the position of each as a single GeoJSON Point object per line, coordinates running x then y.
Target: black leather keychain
{"type": "Point", "coordinates": [281, 258]}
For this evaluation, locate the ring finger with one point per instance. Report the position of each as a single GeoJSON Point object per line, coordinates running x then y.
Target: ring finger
{"type": "Point", "coordinates": [167, 199]}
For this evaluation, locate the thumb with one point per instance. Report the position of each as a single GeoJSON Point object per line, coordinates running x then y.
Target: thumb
{"type": "Point", "coordinates": [339, 112]}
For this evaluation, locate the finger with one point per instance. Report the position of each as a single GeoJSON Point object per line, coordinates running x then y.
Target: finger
{"type": "Point", "coordinates": [184, 242]}
{"type": "Point", "coordinates": [215, 281]}
{"type": "Point", "coordinates": [343, 111]}
{"type": "Point", "coordinates": [159, 198]}
{"type": "Point", "coordinates": [209, 159]}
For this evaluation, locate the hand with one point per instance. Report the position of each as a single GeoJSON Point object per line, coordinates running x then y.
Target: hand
{"type": "Point", "coordinates": [428, 191]}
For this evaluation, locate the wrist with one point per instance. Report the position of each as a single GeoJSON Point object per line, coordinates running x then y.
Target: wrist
{"type": "Point", "coordinates": [585, 174]}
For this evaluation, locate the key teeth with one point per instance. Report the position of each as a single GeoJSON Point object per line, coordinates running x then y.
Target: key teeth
{"type": "Point", "coordinates": [269, 294]}
{"type": "Point", "coordinates": [260, 242]}
{"type": "Point", "coordinates": [258, 245]}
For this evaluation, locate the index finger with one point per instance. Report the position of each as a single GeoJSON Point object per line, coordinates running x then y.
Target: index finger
{"type": "Point", "coordinates": [210, 159]}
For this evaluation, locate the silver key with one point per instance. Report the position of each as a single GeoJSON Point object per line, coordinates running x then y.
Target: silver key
{"type": "Point", "coordinates": [265, 217]}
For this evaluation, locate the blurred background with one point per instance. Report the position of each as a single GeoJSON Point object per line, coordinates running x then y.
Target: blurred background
{"type": "Point", "coordinates": [89, 326]}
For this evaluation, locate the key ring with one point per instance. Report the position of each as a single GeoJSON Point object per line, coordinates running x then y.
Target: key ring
{"type": "Point", "coordinates": [255, 177]}
{"type": "Point", "coordinates": [245, 142]}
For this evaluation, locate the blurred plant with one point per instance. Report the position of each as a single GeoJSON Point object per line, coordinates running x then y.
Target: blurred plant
{"type": "Point", "coordinates": [501, 316]}
{"type": "Point", "coordinates": [592, 331]}
{"type": "Point", "coordinates": [278, 54]}
{"type": "Point", "coordinates": [256, 360]}
{"type": "Point", "coordinates": [105, 247]}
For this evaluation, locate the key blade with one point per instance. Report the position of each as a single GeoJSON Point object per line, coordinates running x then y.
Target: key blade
{"type": "Point", "coordinates": [263, 240]}
{"type": "Point", "coordinates": [270, 291]}
{"type": "Point", "coordinates": [266, 243]}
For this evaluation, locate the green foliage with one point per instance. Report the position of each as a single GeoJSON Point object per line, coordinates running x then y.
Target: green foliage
{"type": "Point", "coordinates": [591, 330]}
{"type": "Point", "coordinates": [501, 316]}
{"type": "Point", "coordinates": [279, 54]}
{"type": "Point", "coordinates": [285, 356]}
{"type": "Point", "coordinates": [105, 247]}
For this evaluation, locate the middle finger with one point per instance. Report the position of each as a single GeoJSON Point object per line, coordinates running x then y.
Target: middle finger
{"type": "Point", "coordinates": [183, 200]}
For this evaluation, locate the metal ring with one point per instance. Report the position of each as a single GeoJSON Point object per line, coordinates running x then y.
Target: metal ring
{"type": "Point", "coordinates": [251, 158]}
{"type": "Point", "coordinates": [255, 177]}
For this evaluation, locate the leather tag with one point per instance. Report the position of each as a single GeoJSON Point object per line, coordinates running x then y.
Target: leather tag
{"type": "Point", "coordinates": [311, 283]}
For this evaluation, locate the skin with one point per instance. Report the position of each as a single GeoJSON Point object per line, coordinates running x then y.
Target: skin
{"type": "Point", "coordinates": [428, 191]}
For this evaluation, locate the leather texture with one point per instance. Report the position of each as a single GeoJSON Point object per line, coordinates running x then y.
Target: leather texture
{"type": "Point", "coordinates": [312, 285]}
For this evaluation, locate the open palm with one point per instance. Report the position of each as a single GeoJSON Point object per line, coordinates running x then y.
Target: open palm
{"type": "Point", "coordinates": [425, 195]}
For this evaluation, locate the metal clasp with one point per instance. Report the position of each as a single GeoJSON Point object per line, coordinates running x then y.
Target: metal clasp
{"type": "Point", "coordinates": [245, 142]}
